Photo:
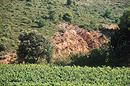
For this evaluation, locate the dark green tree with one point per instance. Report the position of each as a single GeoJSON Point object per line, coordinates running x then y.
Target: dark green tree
{"type": "Point", "coordinates": [121, 42]}
{"type": "Point", "coordinates": [33, 47]}
{"type": "Point", "coordinates": [125, 21]}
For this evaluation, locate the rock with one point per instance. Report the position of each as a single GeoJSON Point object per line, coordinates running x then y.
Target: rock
{"type": "Point", "coordinates": [75, 40]}
{"type": "Point", "coordinates": [8, 58]}
{"type": "Point", "coordinates": [110, 26]}
{"type": "Point", "coordinates": [68, 43]}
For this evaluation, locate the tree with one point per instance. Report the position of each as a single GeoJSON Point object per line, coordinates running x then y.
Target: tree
{"type": "Point", "coordinates": [33, 47]}
{"type": "Point", "coordinates": [125, 21]}
{"type": "Point", "coordinates": [121, 42]}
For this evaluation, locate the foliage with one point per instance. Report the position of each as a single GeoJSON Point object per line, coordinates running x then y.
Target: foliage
{"type": "Point", "coordinates": [53, 16]}
{"type": "Point", "coordinates": [33, 46]}
{"type": "Point", "coordinates": [67, 17]}
{"type": "Point", "coordinates": [100, 57]}
{"type": "Point", "coordinates": [2, 47]}
{"type": "Point", "coordinates": [107, 14]}
{"type": "Point", "coordinates": [97, 57]}
{"type": "Point", "coordinates": [79, 60]}
{"type": "Point", "coordinates": [121, 42]}
{"type": "Point", "coordinates": [62, 76]}
{"type": "Point", "coordinates": [125, 20]}
{"type": "Point", "coordinates": [40, 23]}
{"type": "Point", "coordinates": [43, 15]}
{"type": "Point", "coordinates": [69, 2]}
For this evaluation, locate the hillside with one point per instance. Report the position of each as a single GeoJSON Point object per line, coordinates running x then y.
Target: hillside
{"type": "Point", "coordinates": [17, 16]}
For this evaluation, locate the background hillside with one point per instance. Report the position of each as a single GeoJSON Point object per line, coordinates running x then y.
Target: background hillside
{"type": "Point", "coordinates": [17, 16]}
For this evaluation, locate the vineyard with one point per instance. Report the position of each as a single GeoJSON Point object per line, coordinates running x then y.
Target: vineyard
{"type": "Point", "coordinates": [48, 75]}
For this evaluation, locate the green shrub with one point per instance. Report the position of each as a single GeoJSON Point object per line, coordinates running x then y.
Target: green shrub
{"type": "Point", "coordinates": [97, 57]}
{"type": "Point", "coordinates": [40, 23]}
{"type": "Point", "coordinates": [26, 20]}
{"type": "Point", "coordinates": [33, 47]}
{"type": "Point", "coordinates": [69, 2]}
{"type": "Point", "coordinates": [107, 14]}
{"type": "Point", "coordinates": [100, 57]}
{"type": "Point", "coordinates": [79, 60]}
{"type": "Point", "coordinates": [2, 47]}
{"type": "Point", "coordinates": [53, 16]}
{"type": "Point", "coordinates": [125, 20]}
{"type": "Point", "coordinates": [67, 17]}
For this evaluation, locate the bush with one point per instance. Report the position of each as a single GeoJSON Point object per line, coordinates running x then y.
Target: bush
{"type": "Point", "coordinates": [2, 47]}
{"type": "Point", "coordinates": [79, 60]}
{"type": "Point", "coordinates": [39, 23]}
{"type": "Point", "coordinates": [53, 16]}
{"type": "Point", "coordinates": [97, 57]}
{"type": "Point", "coordinates": [33, 47]}
{"type": "Point", "coordinates": [125, 20]}
{"type": "Point", "coordinates": [67, 17]}
{"type": "Point", "coordinates": [69, 2]}
{"type": "Point", "coordinates": [107, 14]}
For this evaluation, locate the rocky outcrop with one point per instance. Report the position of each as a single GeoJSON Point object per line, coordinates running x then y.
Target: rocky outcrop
{"type": "Point", "coordinates": [110, 26]}
{"type": "Point", "coordinates": [67, 43]}
{"type": "Point", "coordinates": [8, 58]}
{"type": "Point", "coordinates": [94, 39]}
{"type": "Point", "coordinates": [74, 40]}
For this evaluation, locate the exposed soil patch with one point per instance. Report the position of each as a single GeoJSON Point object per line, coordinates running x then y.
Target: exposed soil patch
{"type": "Point", "coordinates": [74, 40]}
{"type": "Point", "coordinates": [110, 26]}
{"type": "Point", "coordinates": [67, 43]}
{"type": "Point", "coordinates": [8, 58]}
